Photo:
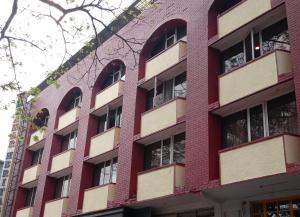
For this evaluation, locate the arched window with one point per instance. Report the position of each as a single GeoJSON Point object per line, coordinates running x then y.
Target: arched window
{"type": "Point", "coordinates": [115, 72]}
{"type": "Point", "coordinates": [41, 118]}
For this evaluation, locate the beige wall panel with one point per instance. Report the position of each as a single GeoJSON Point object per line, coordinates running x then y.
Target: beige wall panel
{"type": "Point", "coordinates": [62, 161]}
{"type": "Point", "coordinates": [241, 14]}
{"type": "Point", "coordinates": [68, 118]}
{"type": "Point", "coordinates": [109, 94]}
{"type": "Point", "coordinates": [292, 149]}
{"type": "Point", "coordinates": [252, 161]}
{"type": "Point", "coordinates": [165, 60]}
{"type": "Point", "coordinates": [25, 212]}
{"type": "Point", "coordinates": [31, 174]}
{"type": "Point", "coordinates": [56, 208]}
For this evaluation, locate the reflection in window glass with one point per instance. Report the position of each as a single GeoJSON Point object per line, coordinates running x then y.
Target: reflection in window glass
{"type": "Point", "coordinates": [234, 129]}
{"type": "Point", "coordinates": [282, 115]}
{"type": "Point", "coordinates": [233, 57]}
{"type": "Point", "coordinates": [256, 122]}
{"type": "Point", "coordinates": [179, 148]}
{"type": "Point", "coordinates": [276, 37]}
{"type": "Point", "coordinates": [180, 85]}
{"type": "Point", "coordinates": [166, 152]}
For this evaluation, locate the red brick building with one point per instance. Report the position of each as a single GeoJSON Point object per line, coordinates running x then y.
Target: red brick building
{"type": "Point", "coordinates": [202, 123]}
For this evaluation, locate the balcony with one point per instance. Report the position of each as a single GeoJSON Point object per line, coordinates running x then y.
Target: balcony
{"type": "Point", "coordinates": [25, 212]}
{"type": "Point", "coordinates": [110, 95]}
{"type": "Point", "coordinates": [61, 163]}
{"type": "Point", "coordinates": [56, 207]}
{"type": "Point", "coordinates": [162, 117]}
{"type": "Point", "coordinates": [30, 176]}
{"type": "Point", "coordinates": [68, 122]}
{"type": "Point", "coordinates": [97, 198]}
{"type": "Point", "coordinates": [103, 143]}
{"type": "Point", "coordinates": [165, 60]}
{"type": "Point", "coordinates": [160, 182]}
{"type": "Point", "coordinates": [37, 140]}
{"type": "Point", "coordinates": [241, 14]}
{"type": "Point", "coordinates": [259, 159]}
{"type": "Point", "coordinates": [254, 76]}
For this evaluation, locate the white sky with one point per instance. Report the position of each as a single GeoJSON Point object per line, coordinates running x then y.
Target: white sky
{"type": "Point", "coordinates": [36, 65]}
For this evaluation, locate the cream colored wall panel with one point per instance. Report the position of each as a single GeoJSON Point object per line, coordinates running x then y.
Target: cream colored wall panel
{"type": "Point", "coordinates": [292, 149]}
{"type": "Point", "coordinates": [27, 212]}
{"type": "Point", "coordinates": [31, 174]}
{"type": "Point", "coordinates": [109, 94]}
{"type": "Point", "coordinates": [241, 15]}
{"type": "Point", "coordinates": [165, 60]}
{"type": "Point", "coordinates": [68, 118]}
{"type": "Point", "coordinates": [252, 161]}
{"type": "Point", "coordinates": [62, 161]}
{"type": "Point", "coordinates": [56, 208]}
{"type": "Point", "coordinates": [98, 198]}
{"type": "Point", "coordinates": [104, 142]}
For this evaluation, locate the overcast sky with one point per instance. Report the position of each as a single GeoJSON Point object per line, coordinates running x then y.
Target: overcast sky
{"type": "Point", "coordinates": [36, 65]}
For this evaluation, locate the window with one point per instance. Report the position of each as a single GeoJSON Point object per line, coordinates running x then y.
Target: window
{"type": "Point", "coordinates": [165, 152]}
{"type": "Point", "coordinates": [62, 188]}
{"type": "Point", "coordinates": [7, 164]}
{"type": "Point", "coordinates": [287, 207]}
{"type": "Point", "coordinates": [30, 196]}
{"type": "Point", "coordinates": [9, 155]}
{"type": "Point", "coordinates": [169, 39]}
{"type": "Point", "coordinates": [3, 181]}
{"type": "Point", "coordinates": [111, 119]}
{"type": "Point", "coordinates": [37, 156]}
{"type": "Point", "coordinates": [256, 44]}
{"type": "Point", "coordinates": [117, 73]}
{"type": "Point", "coordinates": [228, 4]}
{"type": "Point", "coordinates": [166, 90]}
{"type": "Point", "coordinates": [106, 172]}
{"type": "Point", "coordinates": [274, 117]}
{"type": "Point", "coordinates": [69, 141]}
{"type": "Point", "coordinates": [75, 102]}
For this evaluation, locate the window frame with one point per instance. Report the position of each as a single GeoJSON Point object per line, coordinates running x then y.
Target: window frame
{"type": "Point", "coordinates": [102, 167]}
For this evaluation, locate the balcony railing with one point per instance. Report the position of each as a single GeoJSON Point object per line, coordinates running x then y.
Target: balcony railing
{"type": "Point", "coordinates": [104, 142]}
{"type": "Point", "coordinates": [160, 182]}
{"type": "Point", "coordinates": [62, 161]}
{"type": "Point", "coordinates": [36, 139]}
{"type": "Point", "coordinates": [68, 118]}
{"type": "Point", "coordinates": [25, 212]}
{"type": "Point", "coordinates": [109, 94]}
{"type": "Point", "coordinates": [162, 117]}
{"type": "Point", "coordinates": [259, 159]}
{"type": "Point", "coordinates": [56, 207]}
{"type": "Point", "coordinates": [97, 198]}
{"type": "Point", "coordinates": [31, 174]}
{"type": "Point", "coordinates": [241, 14]}
{"type": "Point", "coordinates": [165, 60]}
{"type": "Point", "coordinates": [254, 76]}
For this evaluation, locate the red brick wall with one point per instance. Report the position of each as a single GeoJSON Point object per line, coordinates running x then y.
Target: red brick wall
{"type": "Point", "coordinates": [201, 146]}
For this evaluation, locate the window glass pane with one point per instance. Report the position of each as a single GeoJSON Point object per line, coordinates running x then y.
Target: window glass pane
{"type": "Point", "coordinates": [72, 140]}
{"type": "Point", "coordinates": [276, 37]}
{"type": "Point", "coordinates": [284, 208]}
{"type": "Point", "coordinates": [296, 207]}
{"type": "Point", "coordinates": [170, 41]}
{"type": "Point", "coordinates": [234, 129]}
{"type": "Point", "coordinates": [114, 170]}
{"type": "Point", "coordinates": [180, 85]}
{"type": "Point", "coordinates": [149, 100]}
{"type": "Point", "coordinates": [179, 148]}
{"type": "Point", "coordinates": [96, 174]}
{"type": "Point", "coordinates": [107, 172]}
{"type": "Point", "coordinates": [168, 90]}
{"type": "Point", "coordinates": [119, 116]}
{"type": "Point", "coordinates": [256, 45]}
{"type": "Point", "coordinates": [111, 118]}
{"type": "Point", "coordinates": [108, 81]}
{"type": "Point", "coordinates": [256, 122]}
{"type": "Point", "coordinates": [65, 143]}
{"type": "Point", "coordinates": [101, 124]}
{"type": "Point", "coordinates": [35, 157]}
{"type": "Point", "coordinates": [153, 155]}
{"type": "Point", "coordinates": [248, 48]}
{"type": "Point", "coordinates": [181, 32]}
{"type": "Point", "coordinates": [66, 186]}
{"type": "Point", "coordinates": [166, 154]}
{"type": "Point", "coordinates": [282, 115]}
{"type": "Point", "coordinates": [272, 209]}
{"type": "Point", "coordinates": [159, 99]}
{"type": "Point", "coordinates": [160, 46]}
{"type": "Point", "coordinates": [30, 197]}
{"type": "Point", "coordinates": [102, 173]}
{"type": "Point", "coordinates": [233, 57]}
{"type": "Point", "coordinates": [58, 188]}
{"type": "Point", "coordinates": [228, 4]}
